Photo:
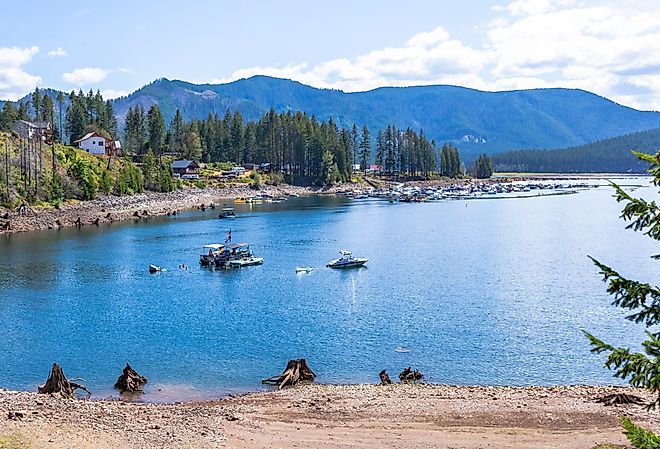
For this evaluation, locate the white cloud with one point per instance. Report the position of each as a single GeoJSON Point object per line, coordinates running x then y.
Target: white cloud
{"type": "Point", "coordinates": [126, 70]}
{"type": "Point", "coordinates": [608, 47]}
{"type": "Point", "coordinates": [88, 75]}
{"type": "Point", "coordinates": [59, 51]}
{"type": "Point", "coordinates": [111, 94]}
{"type": "Point", "coordinates": [14, 81]}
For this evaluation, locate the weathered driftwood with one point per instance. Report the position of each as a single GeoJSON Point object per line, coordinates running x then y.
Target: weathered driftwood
{"type": "Point", "coordinates": [296, 371]}
{"type": "Point", "coordinates": [384, 378]}
{"type": "Point", "coordinates": [408, 375]}
{"type": "Point", "coordinates": [130, 381]}
{"type": "Point", "coordinates": [58, 385]}
{"type": "Point", "coordinates": [620, 399]}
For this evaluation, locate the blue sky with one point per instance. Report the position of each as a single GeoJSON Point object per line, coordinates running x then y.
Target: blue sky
{"type": "Point", "coordinates": [608, 47]}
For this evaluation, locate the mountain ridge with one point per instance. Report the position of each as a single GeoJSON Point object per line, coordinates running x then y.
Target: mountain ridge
{"type": "Point", "coordinates": [477, 121]}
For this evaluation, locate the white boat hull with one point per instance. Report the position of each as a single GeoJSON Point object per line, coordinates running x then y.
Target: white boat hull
{"type": "Point", "coordinates": [246, 262]}
{"type": "Point", "coordinates": [357, 263]}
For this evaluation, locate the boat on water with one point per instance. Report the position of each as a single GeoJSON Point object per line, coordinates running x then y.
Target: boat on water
{"type": "Point", "coordinates": [211, 252]}
{"type": "Point", "coordinates": [240, 201]}
{"type": "Point", "coordinates": [347, 260]}
{"type": "Point", "coordinates": [236, 255]}
{"type": "Point", "coordinates": [227, 212]}
{"type": "Point", "coordinates": [240, 263]}
{"type": "Point", "coordinates": [304, 269]}
{"type": "Point", "coordinates": [155, 269]}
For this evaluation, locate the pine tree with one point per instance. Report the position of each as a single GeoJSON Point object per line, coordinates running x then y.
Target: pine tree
{"type": "Point", "coordinates": [60, 109]}
{"type": "Point", "coordinates": [365, 148]}
{"type": "Point", "coordinates": [483, 167]}
{"type": "Point", "coordinates": [643, 301]}
{"type": "Point", "coordinates": [36, 104]}
{"type": "Point", "coordinates": [156, 127]}
{"type": "Point", "coordinates": [176, 133]}
{"type": "Point", "coordinates": [8, 116]}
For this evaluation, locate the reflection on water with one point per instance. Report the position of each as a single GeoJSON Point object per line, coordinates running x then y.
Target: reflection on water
{"type": "Point", "coordinates": [493, 293]}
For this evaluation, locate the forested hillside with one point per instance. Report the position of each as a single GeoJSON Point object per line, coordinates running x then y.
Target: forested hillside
{"type": "Point", "coordinates": [604, 156]}
{"type": "Point", "coordinates": [477, 122]}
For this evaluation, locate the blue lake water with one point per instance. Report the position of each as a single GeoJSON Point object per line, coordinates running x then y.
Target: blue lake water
{"type": "Point", "coordinates": [490, 291]}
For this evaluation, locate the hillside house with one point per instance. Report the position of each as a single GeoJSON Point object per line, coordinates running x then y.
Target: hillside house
{"type": "Point", "coordinates": [185, 168]}
{"type": "Point", "coordinates": [95, 143]}
{"type": "Point", "coordinates": [33, 130]}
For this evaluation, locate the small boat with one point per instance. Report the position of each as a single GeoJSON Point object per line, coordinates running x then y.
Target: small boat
{"type": "Point", "coordinates": [304, 269]}
{"type": "Point", "coordinates": [240, 263]}
{"type": "Point", "coordinates": [154, 269]}
{"type": "Point", "coordinates": [211, 252]}
{"type": "Point", "coordinates": [401, 349]}
{"type": "Point", "coordinates": [227, 212]}
{"type": "Point", "coordinates": [237, 256]}
{"type": "Point", "coordinates": [240, 201]}
{"type": "Point", "coordinates": [347, 261]}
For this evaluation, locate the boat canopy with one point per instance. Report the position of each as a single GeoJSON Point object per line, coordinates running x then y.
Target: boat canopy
{"type": "Point", "coordinates": [215, 246]}
{"type": "Point", "coordinates": [237, 246]}
{"type": "Point", "coordinates": [228, 209]}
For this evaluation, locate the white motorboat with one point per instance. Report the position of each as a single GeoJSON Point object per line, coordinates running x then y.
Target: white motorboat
{"type": "Point", "coordinates": [304, 269]}
{"type": "Point", "coordinates": [240, 263]}
{"type": "Point", "coordinates": [227, 212]}
{"type": "Point", "coordinates": [239, 256]}
{"type": "Point", "coordinates": [347, 260]}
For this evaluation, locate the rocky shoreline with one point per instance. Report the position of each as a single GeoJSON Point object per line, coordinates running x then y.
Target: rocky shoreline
{"type": "Point", "coordinates": [330, 416]}
{"type": "Point", "coordinates": [134, 207]}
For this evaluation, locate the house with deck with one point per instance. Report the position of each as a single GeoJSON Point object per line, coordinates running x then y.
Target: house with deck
{"type": "Point", "coordinates": [33, 130]}
{"type": "Point", "coordinates": [95, 143]}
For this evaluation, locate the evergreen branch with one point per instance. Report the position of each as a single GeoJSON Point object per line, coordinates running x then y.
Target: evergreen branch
{"type": "Point", "coordinates": [642, 215]}
{"type": "Point", "coordinates": [632, 295]}
{"type": "Point", "coordinates": [640, 438]}
{"type": "Point", "coordinates": [654, 160]}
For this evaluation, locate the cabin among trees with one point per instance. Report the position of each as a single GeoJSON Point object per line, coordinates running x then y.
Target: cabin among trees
{"type": "Point", "coordinates": [95, 143]}
{"type": "Point", "coordinates": [185, 167]}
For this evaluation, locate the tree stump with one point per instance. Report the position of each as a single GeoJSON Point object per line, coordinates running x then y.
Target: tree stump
{"type": "Point", "coordinates": [130, 381]}
{"type": "Point", "coordinates": [58, 385]}
{"type": "Point", "coordinates": [620, 399]}
{"type": "Point", "coordinates": [408, 375]}
{"type": "Point", "coordinates": [384, 378]}
{"type": "Point", "coordinates": [296, 371]}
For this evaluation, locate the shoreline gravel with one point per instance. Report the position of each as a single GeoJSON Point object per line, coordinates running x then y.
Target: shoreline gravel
{"type": "Point", "coordinates": [331, 416]}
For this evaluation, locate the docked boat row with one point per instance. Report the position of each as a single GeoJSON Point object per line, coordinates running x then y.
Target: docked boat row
{"type": "Point", "coordinates": [416, 194]}
{"type": "Point", "coordinates": [236, 255]}
{"type": "Point", "coordinates": [260, 199]}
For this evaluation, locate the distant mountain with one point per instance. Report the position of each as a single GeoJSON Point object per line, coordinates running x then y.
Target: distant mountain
{"type": "Point", "coordinates": [477, 121]}
{"type": "Point", "coordinates": [604, 156]}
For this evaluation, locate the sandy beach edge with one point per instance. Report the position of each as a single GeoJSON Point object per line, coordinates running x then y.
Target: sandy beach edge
{"type": "Point", "coordinates": [331, 416]}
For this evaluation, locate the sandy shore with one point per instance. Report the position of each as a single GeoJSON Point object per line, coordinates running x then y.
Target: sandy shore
{"type": "Point", "coordinates": [136, 207]}
{"type": "Point", "coordinates": [325, 416]}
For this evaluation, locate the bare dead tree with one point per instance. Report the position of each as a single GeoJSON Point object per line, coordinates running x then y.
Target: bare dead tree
{"type": "Point", "coordinates": [130, 381]}
{"type": "Point", "coordinates": [58, 385]}
{"type": "Point", "coordinates": [296, 371]}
